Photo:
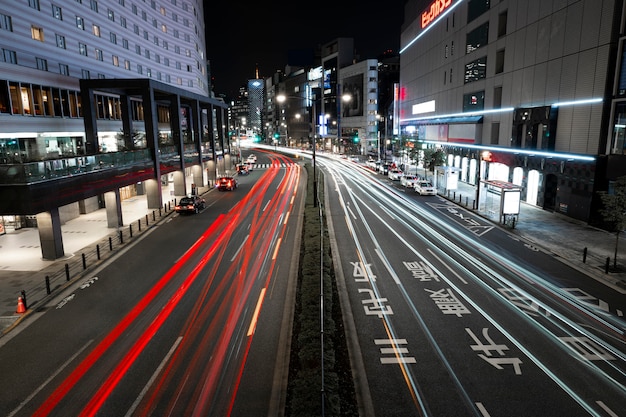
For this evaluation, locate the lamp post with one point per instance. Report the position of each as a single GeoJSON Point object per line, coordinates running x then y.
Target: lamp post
{"type": "Point", "coordinates": [281, 99]}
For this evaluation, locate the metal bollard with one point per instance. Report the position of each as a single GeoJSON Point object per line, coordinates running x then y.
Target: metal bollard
{"type": "Point", "coordinates": [48, 285]}
{"type": "Point", "coordinates": [110, 243]}
{"type": "Point", "coordinates": [153, 216]}
{"type": "Point", "coordinates": [585, 255]}
{"type": "Point", "coordinates": [121, 237]}
{"type": "Point", "coordinates": [84, 261]}
{"type": "Point", "coordinates": [130, 230]}
{"type": "Point", "coordinates": [606, 267]}
{"type": "Point", "coordinates": [98, 251]}
{"type": "Point", "coordinates": [147, 220]}
{"type": "Point", "coordinates": [67, 272]}
{"type": "Point", "coordinates": [139, 224]}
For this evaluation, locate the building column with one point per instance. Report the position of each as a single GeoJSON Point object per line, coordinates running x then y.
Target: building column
{"type": "Point", "coordinates": [50, 238]}
{"type": "Point", "coordinates": [153, 191]}
{"type": "Point", "coordinates": [197, 177]}
{"type": "Point", "coordinates": [113, 205]}
{"type": "Point", "coordinates": [179, 183]}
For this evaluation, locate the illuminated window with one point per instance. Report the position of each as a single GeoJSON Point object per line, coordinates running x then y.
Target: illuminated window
{"type": "Point", "coordinates": [477, 38]}
{"type": "Point", "coordinates": [80, 23]}
{"type": "Point", "coordinates": [36, 33]}
{"type": "Point", "coordinates": [476, 70]}
{"type": "Point", "coordinates": [61, 41]}
{"type": "Point", "coordinates": [96, 30]}
{"type": "Point", "coordinates": [116, 60]}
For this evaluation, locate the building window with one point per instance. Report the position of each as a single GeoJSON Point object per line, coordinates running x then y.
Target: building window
{"type": "Point", "coordinates": [94, 5]}
{"type": "Point", "coordinates": [502, 18]}
{"type": "Point", "coordinates": [125, 43]}
{"type": "Point", "coordinates": [477, 38]}
{"type": "Point", "coordinates": [6, 23]}
{"type": "Point", "coordinates": [138, 49]}
{"type": "Point", "coordinates": [497, 97]}
{"type": "Point", "coordinates": [111, 15]}
{"type": "Point", "coordinates": [82, 49]}
{"type": "Point", "coordinates": [445, 51]}
{"type": "Point", "coordinates": [80, 23]}
{"type": "Point", "coordinates": [36, 33]}
{"type": "Point", "coordinates": [121, 2]}
{"type": "Point", "coordinates": [500, 61]}
{"type": "Point", "coordinates": [61, 41]}
{"type": "Point", "coordinates": [85, 74]}
{"type": "Point", "coordinates": [99, 55]}
{"type": "Point", "coordinates": [122, 21]}
{"type": "Point", "coordinates": [474, 101]}
{"type": "Point", "coordinates": [34, 4]}
{"type": "Point", "coordinates": [42, 64]}
{"type": "Point", "coordinates": [136, 29]}
{"type": "Point", "coordinates": [64, 69]}
{"type": "Point", "coordinates": [495, 133]}
{"type": "Point", "coordinates": [96, 30]}
{"type": "Point", "coordinates": [113, 38]}
{"type": "Point", "coordinates": [139, 69]}
{"type": "Point", "coordinates": [147, 53]}
{"type": "Point", "coordinates": [127, 64]}
{"type": "Point", "coordinates": [9, 56]}
{"type": "Point", "coordinates": [116, 61]}
{"type": "Point", "coordinates": [164, 28]}
{"type": "Point", "coordinates": [476, 70]}
{"type": "Point", "coordinates": [475, 8]}
{"type": "Point", "coordinates": [146, 36]}
{"type": "Point", "coordinates": [56, 12]}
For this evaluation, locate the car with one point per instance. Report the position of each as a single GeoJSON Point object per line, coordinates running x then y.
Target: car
{"type": "Point", "coordinates": [242, 169]}
{"type": "Point", "coordinates": [425, 187]}
{"type": "Point", "coordinates": [251, 158]}
{"type": "Point", "coordinates": [395, 174]}
{"type": "Point", "coordinates": [409, 180]}
{"type": "Point", "coordinates": [190, 204]}
{"type": "Point", "coordinates": [383, 168]}
{"type": "Point", "coordinates": [227, 183]}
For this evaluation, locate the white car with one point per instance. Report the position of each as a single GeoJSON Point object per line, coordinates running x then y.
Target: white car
{"type": "Point", "coordinates": [395, 174]}
{"type": "Point", "coordinates": [425, 187]}
{"type": "Point", "coordinates": [409, 180]}
{"type": "Point", "coordinates": [251, 158]}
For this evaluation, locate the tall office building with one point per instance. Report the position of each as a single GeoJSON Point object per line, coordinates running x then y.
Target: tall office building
{"type": "Point", "coordinates": [83, 82]}
{"type": "Point", "coordinates": [525, 92]}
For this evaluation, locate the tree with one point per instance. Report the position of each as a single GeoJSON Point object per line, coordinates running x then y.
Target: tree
{"type": "Point", "coordinates": [614, 210]}
{"type": "Point", "coordinates": [432, 158]}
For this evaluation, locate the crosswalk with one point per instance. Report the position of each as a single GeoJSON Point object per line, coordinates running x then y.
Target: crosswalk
{"type": "Point", "coordinates": [272, 165]}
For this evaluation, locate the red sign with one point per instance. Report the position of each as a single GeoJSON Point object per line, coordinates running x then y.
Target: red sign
{"type": "Point", "coordinates": [436, 8]}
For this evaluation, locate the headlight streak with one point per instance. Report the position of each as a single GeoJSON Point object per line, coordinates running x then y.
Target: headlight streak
{"type": "Point", "coordinates": [416, 392]}
{"type": "Point", "coordinates": [496, 278]}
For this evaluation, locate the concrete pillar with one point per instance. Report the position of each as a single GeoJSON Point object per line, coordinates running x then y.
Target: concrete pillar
{"type": "Point", "coordinates": [153, 190]}
{"type": "Point", "coordinates": [197, 177]}
{"type": "Point", "coordinates": [179, 183]}
{"type": "Point", "coordinates": [210, 172]}
{"type": "Point", "coordinates": [50, 238]}
{"type": "Point", "coordinates": [113, 205]}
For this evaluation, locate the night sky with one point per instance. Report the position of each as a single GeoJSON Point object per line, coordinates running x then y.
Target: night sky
{"type": "Point", "coordinates": [240, 37]}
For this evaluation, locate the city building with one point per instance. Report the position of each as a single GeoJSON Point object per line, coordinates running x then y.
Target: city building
{"type": "Point", "coordinates": [530, 93]}
{"type": "Point", "coordinates": [101, 101]}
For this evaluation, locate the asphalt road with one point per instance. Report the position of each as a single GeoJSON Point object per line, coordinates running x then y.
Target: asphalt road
{"type": "Point", "coordinates": [193, 318]}
{"type": "Point", "coordinates": [462, 318]}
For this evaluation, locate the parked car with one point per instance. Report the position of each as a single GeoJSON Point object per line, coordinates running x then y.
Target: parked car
{"type": "Point", "coordinates": [409, 180]}
{"type": "Point", "coordinates": [395, 174]}
{"type": "Point", "coordinates": [227, 183]}
{"type": "Point", "coordinates": [190, 204]}
{"type": "Point", "coordinates": [425, 187]}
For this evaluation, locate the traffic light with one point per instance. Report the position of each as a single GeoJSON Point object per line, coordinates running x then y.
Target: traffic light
{"type": "Point", "coordinates": [276, 135]}
{"type": "Point", "coordinates": [356, 138]}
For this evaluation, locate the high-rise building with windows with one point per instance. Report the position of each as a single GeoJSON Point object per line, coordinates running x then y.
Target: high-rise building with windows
{"type": "Point", "coordinates": [521, 92]}
{"type": "Point", "coordinates": [87, 84]}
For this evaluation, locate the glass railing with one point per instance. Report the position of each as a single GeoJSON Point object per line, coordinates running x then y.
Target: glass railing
{"type": "Point", "coordinates": [51, 169]}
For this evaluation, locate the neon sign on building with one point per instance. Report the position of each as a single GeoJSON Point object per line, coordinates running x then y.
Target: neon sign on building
{"type": "Point", "coordinates": [436, 8]}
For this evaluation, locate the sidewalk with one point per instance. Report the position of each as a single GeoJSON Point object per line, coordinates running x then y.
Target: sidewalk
{"type": "Point", "coordinates": [22, 267]}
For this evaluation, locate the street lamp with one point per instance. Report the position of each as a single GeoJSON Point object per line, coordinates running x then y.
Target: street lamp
{"type": "Point", "coordinates": [281, 98]}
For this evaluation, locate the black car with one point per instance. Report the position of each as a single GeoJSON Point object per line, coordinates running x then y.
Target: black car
{"type": "Point", "coordinates": [190, 204]}
{"type": "Point", "coordinates": [227, 183]}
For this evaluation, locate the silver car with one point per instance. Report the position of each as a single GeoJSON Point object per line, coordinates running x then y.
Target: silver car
{"type": "Point", "coordinates": [409, 180]}
{"type": "Point", "coordinates": [425, 187]}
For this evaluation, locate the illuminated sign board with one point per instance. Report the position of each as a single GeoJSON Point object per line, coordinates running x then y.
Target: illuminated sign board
{"type": "Point", "coordinates": [436, 8]}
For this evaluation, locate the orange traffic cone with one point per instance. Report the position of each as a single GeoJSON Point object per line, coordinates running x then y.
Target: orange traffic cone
{"type": "Point", "coordinates": [21, 308]}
